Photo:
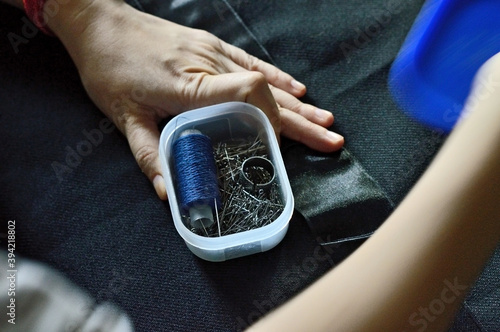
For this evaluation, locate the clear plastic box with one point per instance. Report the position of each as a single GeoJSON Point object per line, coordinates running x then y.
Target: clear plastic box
{"type": "Point", "coordinates": [233, 120]}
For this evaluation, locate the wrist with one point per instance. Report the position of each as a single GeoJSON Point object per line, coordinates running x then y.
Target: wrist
{"type": "Point", "coordinates": [78, 23]}
{"type": "Point", "coordinates": [70, 18]}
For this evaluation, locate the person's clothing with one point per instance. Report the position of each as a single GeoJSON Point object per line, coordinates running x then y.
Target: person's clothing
{"type": "Point", "coordinates": [100, 223]}
{"type": "Point", "coordinates": [40, 299]}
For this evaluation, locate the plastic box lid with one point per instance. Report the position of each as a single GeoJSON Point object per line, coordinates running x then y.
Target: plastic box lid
{"type": "Point", "coordinates": [221, 122]}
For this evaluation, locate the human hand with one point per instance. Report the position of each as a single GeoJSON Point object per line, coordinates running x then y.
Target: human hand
{"type": "Point", "coordinates": [139, 69]}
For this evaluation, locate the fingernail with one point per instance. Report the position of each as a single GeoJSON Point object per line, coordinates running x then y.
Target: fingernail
{"type": "Point", "coordinates": [159, 185]}
{"type": "Point", "coordinates": [334, 137]}
{"type": "Point", "coordinates": [322, 114]}
{"type": "Point", "coordinates": [297, 85]}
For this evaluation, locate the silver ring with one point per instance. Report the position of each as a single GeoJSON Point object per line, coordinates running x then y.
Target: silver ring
{"type": "Point", "coordinates": [257, 173]}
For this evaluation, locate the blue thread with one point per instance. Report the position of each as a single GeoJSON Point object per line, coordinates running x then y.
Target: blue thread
{"type": "Point", "coordinates": [196, 171]}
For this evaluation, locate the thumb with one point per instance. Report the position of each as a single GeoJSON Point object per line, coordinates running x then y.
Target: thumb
{"type": "Point", "coordinates": [143, 137]}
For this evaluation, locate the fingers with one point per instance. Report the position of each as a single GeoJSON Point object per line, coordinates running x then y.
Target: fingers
{"type": "Point", "coordinates": [296, 127]}
{"type": "Point", "coordinates": [274, 76]}
{"type": "Point", "coordinates": [140, 125]}
{"type": "Point", "coordinates": [143, 137]}
{"type": "Point", "coordinates": [310, 112]}
{"type": "Point", "coordinates": [249, 87]}
{"type": "Point", "coordinates": [297, 121]}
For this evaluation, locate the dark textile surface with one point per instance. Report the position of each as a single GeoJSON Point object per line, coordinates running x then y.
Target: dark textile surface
{"type": "Point", "coordinates": [323, 183]}
{"type": "Point", "coordinates": [101, 224]}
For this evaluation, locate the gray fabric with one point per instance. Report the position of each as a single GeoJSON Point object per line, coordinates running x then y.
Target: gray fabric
{"type": "Point", "coordinates": [40, 299]}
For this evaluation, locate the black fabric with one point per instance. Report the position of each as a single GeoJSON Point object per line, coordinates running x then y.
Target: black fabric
{"type": "Point", "coordinates": [100, 222]}
{"type": "Point", "coordinates": [342, 51]}
{"type": "Point", "coordinates": [339, 200]}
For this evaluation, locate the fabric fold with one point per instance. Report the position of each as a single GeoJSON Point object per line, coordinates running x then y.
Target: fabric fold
{"type": "Point", "coordinates": [335, 194]}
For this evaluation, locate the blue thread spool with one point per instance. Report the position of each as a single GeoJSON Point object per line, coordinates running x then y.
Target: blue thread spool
{"type": "Point", "coordinates": [196, 175]}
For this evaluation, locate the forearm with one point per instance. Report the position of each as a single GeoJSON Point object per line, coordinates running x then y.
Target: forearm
{"type": "Point", "coordinates": [440, 235]}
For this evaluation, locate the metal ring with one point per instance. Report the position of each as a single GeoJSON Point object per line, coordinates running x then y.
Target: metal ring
{"type": "Point", "coordinates": [257, 173]}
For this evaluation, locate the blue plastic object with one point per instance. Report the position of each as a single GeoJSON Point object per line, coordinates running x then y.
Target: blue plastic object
{"type": "Point", "coordinates": [433, 72]}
